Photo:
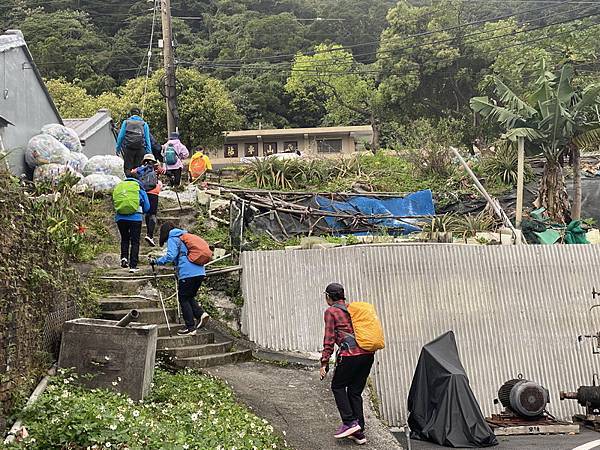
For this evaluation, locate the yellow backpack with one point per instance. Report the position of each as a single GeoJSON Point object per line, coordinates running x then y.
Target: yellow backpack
{"type": "Point", "coordinates": [199, 164]}
{"type": "Point", "coordinates": [367, 327]}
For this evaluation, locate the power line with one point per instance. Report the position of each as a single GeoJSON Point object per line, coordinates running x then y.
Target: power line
{"type": "Point", "coordinates": [149, 58]}
{"type": "Point", "coordinates": [497, 51]}
{"type": "Point", "coordinates": [421, 34]}
{"type": "Point", "coordinates": [221, 64]}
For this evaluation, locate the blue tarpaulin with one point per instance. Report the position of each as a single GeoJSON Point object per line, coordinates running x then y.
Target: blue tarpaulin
{"type": "Point", "coordinates": [415, 204]}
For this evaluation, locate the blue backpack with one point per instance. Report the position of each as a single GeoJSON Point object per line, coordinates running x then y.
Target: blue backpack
{"type": "Point", "coordinates": [148, 178]}
{"type": "Point", "coordinates": [171, 157]}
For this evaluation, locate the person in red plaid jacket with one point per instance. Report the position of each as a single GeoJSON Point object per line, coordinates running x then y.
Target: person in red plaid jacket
{"type": "Point", "coordinates": [353, 365]}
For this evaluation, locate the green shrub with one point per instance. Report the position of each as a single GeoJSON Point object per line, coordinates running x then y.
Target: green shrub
{"type": "Point", "coordinates": [501, 166]}
{"type": "Point", "coordinates": [185, 410]}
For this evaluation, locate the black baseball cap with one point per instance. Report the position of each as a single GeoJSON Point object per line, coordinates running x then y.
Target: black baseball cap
{"type": "Point", "coordinates": [335, 290]}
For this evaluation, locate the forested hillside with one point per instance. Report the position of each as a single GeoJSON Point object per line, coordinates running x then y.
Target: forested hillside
{"type": "Point", "coordinates": [408, 68]}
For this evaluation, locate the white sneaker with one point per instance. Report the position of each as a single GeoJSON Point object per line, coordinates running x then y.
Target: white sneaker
{"type": "Point", "coordinates": [202, 322]}
{"type": "Point", "coordinates": [133, 270]}
{"type": "Point", "coordinates": [124, 263]}
{"type": "Point", "coordinates": [150, 241]}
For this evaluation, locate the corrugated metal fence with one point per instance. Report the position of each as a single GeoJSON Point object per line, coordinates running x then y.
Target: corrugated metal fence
{"type": "Point", "coordinates": [514, 309]}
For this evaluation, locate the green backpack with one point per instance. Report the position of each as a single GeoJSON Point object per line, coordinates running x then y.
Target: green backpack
{"type": "Point", "coordinates": [126, 197]}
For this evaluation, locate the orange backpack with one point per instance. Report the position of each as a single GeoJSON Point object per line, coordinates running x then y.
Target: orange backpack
{"type": "Point", "coordinates": [198, 250]}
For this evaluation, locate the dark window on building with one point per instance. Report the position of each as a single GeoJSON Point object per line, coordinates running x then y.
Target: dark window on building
{"type": "Point", "coordinates": [231, 150]}
{"type": "Point", "coordinates": [269, 148]}
{"type": "Point", "coordinates": [329, 145]}
{"type": "Point", "coordinates": [290, 146]}
{"type": "Point", "coordinates": [251, 150]}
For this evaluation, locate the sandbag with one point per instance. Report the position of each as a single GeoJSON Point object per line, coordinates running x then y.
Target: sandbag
{"type": "Point", "coordinates": [77, 162]}
{"type": "Point", "coordinates": [66, 136]}
{"type": "Point", "coordinates": [52, 173]}
{"type": "Point", "coordinates": [98, 182]}
{"type": "Point", "coordinates": [45, 149]}
{"type": "Point", "coordinates": [105, 164]}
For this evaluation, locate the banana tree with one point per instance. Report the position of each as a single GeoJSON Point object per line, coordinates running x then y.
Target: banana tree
{"type": "Point", "coordinates": [557, 119]}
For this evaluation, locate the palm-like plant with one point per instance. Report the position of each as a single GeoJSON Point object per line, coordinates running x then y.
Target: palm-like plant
{"type": "Point", "coordinates": [556, 118]}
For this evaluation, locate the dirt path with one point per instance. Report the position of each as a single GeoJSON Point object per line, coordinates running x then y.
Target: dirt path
{"type": "Point", "coordinates": [297, 403]}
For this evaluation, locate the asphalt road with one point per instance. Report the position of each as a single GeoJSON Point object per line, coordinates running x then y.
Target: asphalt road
{"type": "Point", "coordinates": [552, 442]}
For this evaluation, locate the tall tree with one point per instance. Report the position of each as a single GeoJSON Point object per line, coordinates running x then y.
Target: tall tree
{"type": "Point", "coordinates": [352, 91]}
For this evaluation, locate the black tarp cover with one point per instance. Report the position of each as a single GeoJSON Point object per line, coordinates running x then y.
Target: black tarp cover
{"type": "Point", "coordinates": [442, 408]}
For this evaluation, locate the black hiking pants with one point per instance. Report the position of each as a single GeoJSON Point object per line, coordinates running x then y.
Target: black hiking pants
{"type": "Point", "coordinates": [188, 288]}
{"type": "Point", "coordinates": [130, 241]}
{"type": "Point", "coordinates": [132, 158]}
{"type": "Point", "coordinates": [151, 219]}
{"type": "Point", "coordinates": [348, 383]}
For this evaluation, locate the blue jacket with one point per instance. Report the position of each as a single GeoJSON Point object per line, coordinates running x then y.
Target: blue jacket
{"type": "Point", "coordinates": [144, 203]}
{"type": "Point", "coordinates": [177, 254]}
{"type": "Point", "coordinates": [122, 135]}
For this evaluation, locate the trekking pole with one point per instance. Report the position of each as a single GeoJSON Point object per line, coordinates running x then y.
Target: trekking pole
{"type": "Point", "coordinates": [177, 296]}
{"type": "Point", "coordinates": [161, 298]}
{"type": "Point", "coordinates": [178, 201]}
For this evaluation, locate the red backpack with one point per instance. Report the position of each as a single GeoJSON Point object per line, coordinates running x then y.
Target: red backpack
{"type": "Point", "coordinates": [198, 250]}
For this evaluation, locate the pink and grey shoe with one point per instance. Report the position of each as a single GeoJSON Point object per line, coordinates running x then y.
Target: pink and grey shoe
{"type": "Point", "coordinates": [358, 437]}
{"type": "Point", "coordinates": [347, 430]}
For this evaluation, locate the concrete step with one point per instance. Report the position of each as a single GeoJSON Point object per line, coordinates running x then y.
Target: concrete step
{"type": "Point", "coordinates": [133, 302]}
{"type": "Point", "coordinates": [147, 315]}
{"type": "Point", "coordinates": [163, 330]}
{"type": "Point", "coordinates": [199, 350]}
{"type": "Point", "coordinates": [125, 284]}
{"type": "Point", "coordinates": [201, 338]}
{"type": "Point", "coordinates": [200, 362]}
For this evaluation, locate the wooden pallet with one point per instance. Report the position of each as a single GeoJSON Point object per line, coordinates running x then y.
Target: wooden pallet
{"type": "Point", "coordinates": [591, 422]}
{"type": "Point", "coordinates": [503, 426]}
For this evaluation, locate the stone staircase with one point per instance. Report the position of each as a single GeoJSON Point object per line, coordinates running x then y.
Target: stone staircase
{"type": "Point", "coordinates": [207, 348]}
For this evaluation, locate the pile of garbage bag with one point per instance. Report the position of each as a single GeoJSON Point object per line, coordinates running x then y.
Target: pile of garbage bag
{"type": "Point", "coordinates": [66, 136]}
{"type": "Point", "coordinates": [57, 152]}
{"type": "Point", "coordinates": [105, 164]}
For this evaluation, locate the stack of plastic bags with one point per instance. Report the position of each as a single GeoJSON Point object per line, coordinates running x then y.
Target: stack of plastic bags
{"type": "Point", "coordinates": [57, 152]}
{"type": "Point", "coordinates": [50, 158]}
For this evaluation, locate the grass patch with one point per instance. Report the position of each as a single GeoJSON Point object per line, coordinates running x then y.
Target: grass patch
{"type": "Point", "coordinates": [187, 410]}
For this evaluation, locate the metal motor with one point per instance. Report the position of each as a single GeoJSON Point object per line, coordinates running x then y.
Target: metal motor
{"type": "Point", "coordinates": [586, 396]}
{"type": "Point", "coordinates": [524, 398]}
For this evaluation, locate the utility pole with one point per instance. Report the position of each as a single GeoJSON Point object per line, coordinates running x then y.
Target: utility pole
{"type": "Point", "coordinates": [520, 180]}
{"type": "Point", "coordinates": [169, 64]}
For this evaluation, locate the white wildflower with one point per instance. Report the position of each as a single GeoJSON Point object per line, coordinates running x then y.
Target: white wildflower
{"type": "Point", "coordinates": [113, 427]}
{"type": "Point", "coordinates": [121, 418]}
{"type": "Point", "coordinates": [136, 413]}
{"type": "Point", "coordinates": [114, 383]}
{"type": "Point", "coordinates": [108, 445]}
{"type": "Point", "coordinates": [194, 417]}
{"type": "Point", "coordinates": [130, 401]}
